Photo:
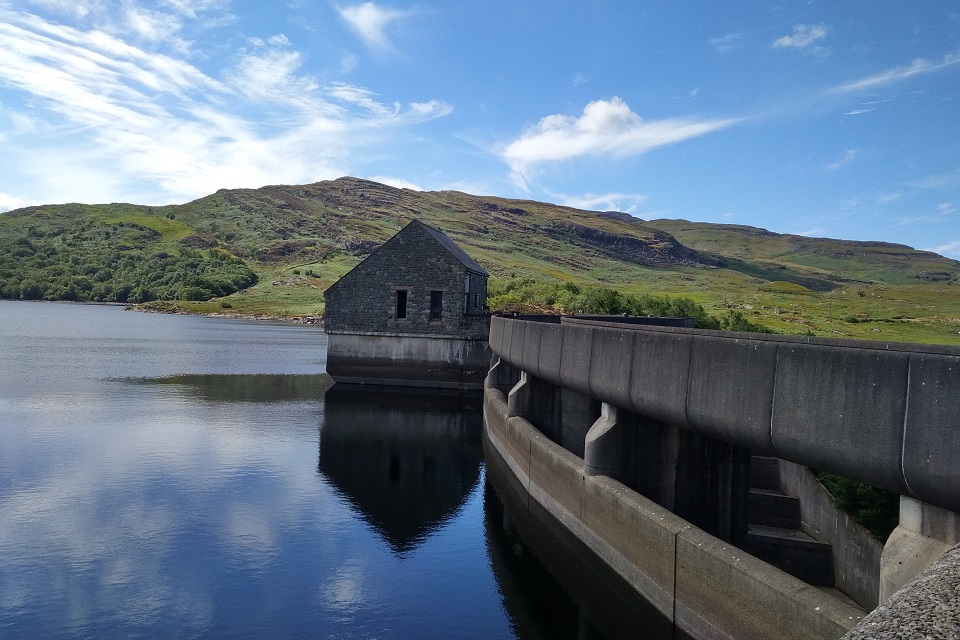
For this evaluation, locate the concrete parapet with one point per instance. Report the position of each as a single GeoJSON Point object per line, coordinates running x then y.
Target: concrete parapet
{"type": "Point", "coordinates": [842, 410]}
{"type": "Point", "coordinates": [931, 447]}
{"type": "Point", "coordinates": [611, 362]}
{"type": "Point", "coordinates": [882, 413]}
{"type": "Point", "coordinates": [551, 348]}
{"type": "Point", "coordinates": [575, 358]}
{"type": "Point", "coordinates": [730, 390]}
{"type": "Point", "coordinates": [530, 347]}
{"type": "Point", "coordinates": [660, 374]}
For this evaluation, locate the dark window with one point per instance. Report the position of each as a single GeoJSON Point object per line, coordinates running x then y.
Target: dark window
{"type": "Point", "coordinates": [436, 305]}
{"type": "Point", "coordinates": [401, 305]}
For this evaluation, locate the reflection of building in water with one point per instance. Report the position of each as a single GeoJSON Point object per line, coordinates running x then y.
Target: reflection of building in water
{"type": "Point", "coordinates": [248, 387]}
{"type": "Point", "coordinates": [406, 461]}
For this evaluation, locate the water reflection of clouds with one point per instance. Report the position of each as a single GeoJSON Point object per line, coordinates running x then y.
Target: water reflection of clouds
{"type": "Point", "coordinates": [345, 590]}
{"type": "Point", "coordinates": [111, 496]}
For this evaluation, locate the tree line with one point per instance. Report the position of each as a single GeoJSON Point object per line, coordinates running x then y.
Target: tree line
{"type": "Point", "coordinates": [112, 263]}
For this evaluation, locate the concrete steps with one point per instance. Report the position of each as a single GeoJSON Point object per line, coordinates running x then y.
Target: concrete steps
{"type": "Point", "coordinates": [775, 534]}
{"type": "Point", "coordinates": [774, 509]}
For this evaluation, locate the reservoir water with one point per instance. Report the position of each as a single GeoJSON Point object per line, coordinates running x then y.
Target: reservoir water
{"type": "Point", "coordinates": [173, 476]}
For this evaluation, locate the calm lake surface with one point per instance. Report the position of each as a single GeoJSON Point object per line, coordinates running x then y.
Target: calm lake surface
{"type": "Point", "coordinates": [172, 476]}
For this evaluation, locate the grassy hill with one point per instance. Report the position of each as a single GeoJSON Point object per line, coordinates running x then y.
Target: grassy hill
{"type": "Point", "coordinates": [294, 241]}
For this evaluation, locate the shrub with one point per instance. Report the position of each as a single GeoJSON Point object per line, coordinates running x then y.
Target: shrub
{"type": "Point", "coordinates": [875, 509]}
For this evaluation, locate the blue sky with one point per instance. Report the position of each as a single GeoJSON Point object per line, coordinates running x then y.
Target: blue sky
{"type": "Point", "coordinates": [836, 119]}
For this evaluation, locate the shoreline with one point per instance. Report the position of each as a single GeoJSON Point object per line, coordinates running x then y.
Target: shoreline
{"type": "Point", "coordinates": [173, 309]}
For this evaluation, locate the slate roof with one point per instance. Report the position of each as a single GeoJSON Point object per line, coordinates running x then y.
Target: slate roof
{"type": "Point", "coordinates": [453, 248]}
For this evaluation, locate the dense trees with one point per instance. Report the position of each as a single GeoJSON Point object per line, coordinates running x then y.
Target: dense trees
{"type": "Point", "coordinates": [111, 263]}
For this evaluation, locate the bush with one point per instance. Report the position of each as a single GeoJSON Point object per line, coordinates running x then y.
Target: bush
{"type": "Point", "coordinates": [875, 509]}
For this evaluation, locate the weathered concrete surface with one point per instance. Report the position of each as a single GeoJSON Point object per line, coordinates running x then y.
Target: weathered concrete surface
{"type": "Point", "coordinates": [924, 534]}
{"type": "Point", "coordinates": [604, 445]}
{"type": "Point", "coordinates": [724, 592]}
{"type": "Point", "coordinates": [729, 390]}
{"type": "Point", "coordinates": [833, 402]}
{"type": "Point", "coordinates": [720, 592]}
{"type": "Point", "coordinates": [931, 447]}
{"type": "Point", "coordinates": [407, 360]}
{"type": "Point", "coordinates": [927, 607]}
{"type": "Point", "coordinates": [856, 553]}
{"type": "Point", "coordinates": [882, 413]}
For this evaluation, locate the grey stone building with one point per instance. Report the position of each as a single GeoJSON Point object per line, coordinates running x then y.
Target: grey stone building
{"type": "Point", "coordinates": [413, 313]}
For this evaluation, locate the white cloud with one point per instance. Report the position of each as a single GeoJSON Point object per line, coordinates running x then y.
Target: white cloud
{"type": "Point", "coordinates": [605, 128]}
{"type": "Point", "coordinates": [627, 202]}
{"type": "Point", "coordinates": [727, 43]}
{"type": "Point", "coordinates": [950, 249]}
{"type": "Point", "coordinates": [887, 198]}
{"type": "Point", "coordinates": [898, 74]}
{"type": "Point", "coordinates": [151, 25]}
{"type": "Point", "coordinates": [9, 203]}
{"type": "Point", "coordinates": [370, 23]}
{"type": "Point", "coordinates": [111, 121]}
{"type": "Point", "coordinates": [846, 158]}
{"type": "Point", "coordinates": [803, 36]}
{"type": "Point", "coordinates": [815, 232]}
{"type": "Point", "coordinates": [857, 112]}
{"type": "Point", "coordinates": [948, 180]}
{"type": "Point", "coordinates": [348, 62]}
{"type": "Point", "coordinates": [399, 183]}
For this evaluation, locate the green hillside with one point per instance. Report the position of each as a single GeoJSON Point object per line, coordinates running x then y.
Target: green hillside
{"type": "Point", "coordinates": [272, 251]}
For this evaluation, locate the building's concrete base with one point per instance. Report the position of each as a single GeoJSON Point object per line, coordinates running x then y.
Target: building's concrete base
{"type": "Point", "coordinates": [407, 360]}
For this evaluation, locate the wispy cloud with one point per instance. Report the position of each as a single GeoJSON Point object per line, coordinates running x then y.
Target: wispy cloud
{"type": "Point", "coordinates": [846, 158]}
{"type": "Point", "coordinates": [802, 37]}
{"type": "Point", "coordinates": [887, 198]}
{"type": "Point", "coordinates": [627, 202]}
{"type": "Point", "coordinates": [399, 183]}
{"type": "Point", "coordinates": [155, 123]}
{"type": "Point", "coordinates": [370, 22]}
{"type": "Point", "coordinates": [950, 249]}
{"type": "Point", "coordinates": [919, 66]}
{"type": "Point", "coordinates": [815, 232]}
{"type": "Point", "coordinates": [605, 128]}
{"type": "Point", "coordinates": [948, 180]}
{"type": "Point", "coordinates": [857, 112]}
{"type": "Point", "coordinates": [729, 42]}
{"type": "Point", "coordinates": [941, 212]}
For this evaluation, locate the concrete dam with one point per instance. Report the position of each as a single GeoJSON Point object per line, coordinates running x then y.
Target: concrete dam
{"type": "Point", "coordinates": [681, 458]}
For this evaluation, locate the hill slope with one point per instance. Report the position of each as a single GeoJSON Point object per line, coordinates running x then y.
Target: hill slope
{"type": "Point", "coordinates": [300, 239]}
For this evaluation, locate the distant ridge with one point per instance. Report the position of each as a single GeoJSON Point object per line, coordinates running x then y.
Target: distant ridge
{"type": "Point", "coordinates": [332, 224]}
